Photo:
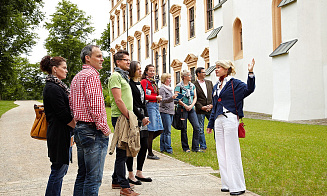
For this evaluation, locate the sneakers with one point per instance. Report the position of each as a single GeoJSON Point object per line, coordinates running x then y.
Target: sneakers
{"type": "Point", "coordinates": [128, 192]}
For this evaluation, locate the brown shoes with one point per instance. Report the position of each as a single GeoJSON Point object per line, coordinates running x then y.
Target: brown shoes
{"type": "Point", "coordinates": [128, 192]}
{"type": "Point", "coordinates": [117, 186]}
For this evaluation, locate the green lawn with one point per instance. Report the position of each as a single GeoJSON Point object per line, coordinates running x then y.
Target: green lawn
{"type": "Point", "coordinates": [5, 106]}
{"type": "Point", "coordinates": [278, 158]}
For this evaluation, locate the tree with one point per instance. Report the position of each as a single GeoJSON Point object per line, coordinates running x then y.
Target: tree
{"type": "Point", "coordinates": [68, 34]}
{"type": "Point", "coordinates": [27, 81]}
{"type": "Point", "coordinates": [18, 19]}
{"type": "Point", "coordinates": [104, 44]}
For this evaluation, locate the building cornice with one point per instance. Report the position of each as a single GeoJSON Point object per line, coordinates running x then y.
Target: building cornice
{"type": "Point", "coordinates": [176, 64]}
{"type": "Point", "coordinates": [189, 3]}
{"type": "Point", "coordinates": [130, 39]}
{"type": "Point", "coordinates": [175, 10]}
{"type": "Point", "coordinates": [146, 29]}
{"type": "Point", "coordinates": [190, 58]}
{"type": "Point", "coordinates": [137, 35]}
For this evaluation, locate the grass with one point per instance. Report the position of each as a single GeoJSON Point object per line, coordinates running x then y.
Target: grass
{"type": "Point", "coordinates": [5, 106]}
{"type": "Point", "coordinates": [279, 158]}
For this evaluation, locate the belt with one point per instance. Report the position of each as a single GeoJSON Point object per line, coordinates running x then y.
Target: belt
{"type": "Point", "coordinates": [86, 123]}
{"type": "Point", "coordinates": [224, 113]}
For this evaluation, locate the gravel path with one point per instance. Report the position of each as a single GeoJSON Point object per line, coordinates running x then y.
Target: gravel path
{"type": "Point", "coordinates": [25, 167]}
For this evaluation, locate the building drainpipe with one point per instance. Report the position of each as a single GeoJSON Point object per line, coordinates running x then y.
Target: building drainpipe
{"type": "Point", "coordinates": [169, 36]}
{"type": "Point", "coordinates": [151, 29]}
{"type": "Point", "coordinates": [127, 26]}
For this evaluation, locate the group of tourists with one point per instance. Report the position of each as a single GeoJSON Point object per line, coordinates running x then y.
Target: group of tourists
{"type": "Point", "coordinates": [140, 112]}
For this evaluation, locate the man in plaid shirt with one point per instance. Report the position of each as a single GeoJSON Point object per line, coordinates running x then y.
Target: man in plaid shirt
{"type": "Point", "coordinates": [91, 133]}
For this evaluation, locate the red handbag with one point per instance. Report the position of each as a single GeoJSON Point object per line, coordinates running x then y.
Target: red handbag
{"type": "Point", "coordinates": [241, 130]}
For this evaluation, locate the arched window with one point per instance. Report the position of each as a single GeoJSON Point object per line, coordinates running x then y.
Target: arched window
{"type": "Point", "coordinates": [237, 39]}
{"type": "Point", "coordinates": [276, 24]}
{"type": "Point", "coordinates": [164, 60]}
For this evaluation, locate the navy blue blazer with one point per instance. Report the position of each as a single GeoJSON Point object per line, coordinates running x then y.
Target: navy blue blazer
{"type": "Point", "coordinates": [226, 99]}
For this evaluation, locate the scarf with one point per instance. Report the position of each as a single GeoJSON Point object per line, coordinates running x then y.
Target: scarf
{"type": "Point", "coordinates": [188, 91]}
{"type": "Point", "coordinates": [54, 79]}
{"type": "Point", "coordinates": [154, 84]}
{"type": "Point", "coordinates": [167, 87]}
{"type": "Point", "coordinates": [123, 73]}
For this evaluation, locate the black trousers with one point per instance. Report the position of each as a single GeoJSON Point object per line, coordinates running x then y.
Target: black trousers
{"type": "Point", "coordinates": [119, 175]}
{"type": "Point", "coordinates": [140, 156]}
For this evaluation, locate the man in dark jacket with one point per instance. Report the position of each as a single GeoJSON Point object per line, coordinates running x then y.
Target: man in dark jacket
{"type": "Point", "coordinates": [203, 105]}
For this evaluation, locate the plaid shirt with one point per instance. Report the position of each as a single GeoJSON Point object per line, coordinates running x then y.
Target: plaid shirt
{"type": "Point", "coordinates": [86, 98]}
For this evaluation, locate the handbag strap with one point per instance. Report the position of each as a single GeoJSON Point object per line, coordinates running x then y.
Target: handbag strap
{"type": "Point", "coordinates": [234, 98]}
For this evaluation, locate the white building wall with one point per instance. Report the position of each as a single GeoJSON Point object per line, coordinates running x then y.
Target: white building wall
{"type": "Point", "coordinates": [292, 86]}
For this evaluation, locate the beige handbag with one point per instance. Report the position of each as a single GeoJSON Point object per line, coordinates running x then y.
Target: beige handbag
{"type": "Point", "coordinates": [40, 126]}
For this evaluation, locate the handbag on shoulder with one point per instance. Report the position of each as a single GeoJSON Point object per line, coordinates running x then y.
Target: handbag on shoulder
{"type": "Point", "coordinates": [241, 130]}
{"type": "Point", "coordinates": [178, 122]}
{"type": "Point", "coordinates": [40, 126]}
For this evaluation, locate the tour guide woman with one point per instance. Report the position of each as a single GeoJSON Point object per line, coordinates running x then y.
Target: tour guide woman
{"type": "Point", "coordinates": [225, 123]}
{"type": "Point", "coordinates": [61, 122]}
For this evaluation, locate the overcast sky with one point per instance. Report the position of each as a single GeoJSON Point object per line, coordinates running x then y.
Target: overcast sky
{"type": "Point", "coordinates": [97, 9]}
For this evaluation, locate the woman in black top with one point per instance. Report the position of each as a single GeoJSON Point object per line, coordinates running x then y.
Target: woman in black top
{"type": "Point", "coordinates": [140, 111]}
{"type": "Point", "coordinates": [60, 119]}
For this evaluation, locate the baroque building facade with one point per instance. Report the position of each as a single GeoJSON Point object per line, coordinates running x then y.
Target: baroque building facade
{"type": "Point", "coordinates": [287, 38]}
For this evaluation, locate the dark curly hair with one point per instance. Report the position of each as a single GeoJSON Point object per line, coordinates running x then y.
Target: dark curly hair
{"type": "Point", "coordinates": [48, 62]}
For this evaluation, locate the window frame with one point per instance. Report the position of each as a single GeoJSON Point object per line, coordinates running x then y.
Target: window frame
{"type": "Point", "coordinates": [177, 30]}
{"type": "Point", "coordinates": [156, 17]}
{"type": "Point", "coordinates": [164, 14]}
{"type": "Point", "coordinates": [164, 60]}
{"type": "Point", "coordinates": [209, 18]}
{"type": "Point", "coordinates": [130, 14]}
{"type": "Point", "coordinates": [191, 17]}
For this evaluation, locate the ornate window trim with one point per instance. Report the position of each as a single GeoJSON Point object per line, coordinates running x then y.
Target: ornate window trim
{"type": "Point", "coordinates": [205, 56]}
{"type": "Point", "coordinates": [123, 43]}
{"type": "Point", "coordinates": [177, 67]}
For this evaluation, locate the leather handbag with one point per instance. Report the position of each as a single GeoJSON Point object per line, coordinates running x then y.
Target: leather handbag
{"type": "Point", "coordinates": [178, 122]}
{"type": "Point", "coordinates": [40, 126]}
{"type": "Point", "coordinates": [241, 129]}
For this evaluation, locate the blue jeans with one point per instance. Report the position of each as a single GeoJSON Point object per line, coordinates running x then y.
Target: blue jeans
{"type": "Point", "coordinates": [202, 138]}
{"type": "Point", "coordinates": [191, 116]}
{"type": "Point", "coordinates": [92, 148]}
{"type": "Point", "coordinates": [165, 138]}
{"type": "Point", "coordinates": [119, 175]}
{"type": "Point", "coordinates": [58, 171]}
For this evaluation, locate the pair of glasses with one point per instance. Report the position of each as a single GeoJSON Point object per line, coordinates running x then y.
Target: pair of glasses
{"type": "Point", "coordinates": [127, 60]}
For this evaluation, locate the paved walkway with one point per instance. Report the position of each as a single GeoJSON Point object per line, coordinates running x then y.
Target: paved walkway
{"type": "Point", "coordinates": [25, 167]}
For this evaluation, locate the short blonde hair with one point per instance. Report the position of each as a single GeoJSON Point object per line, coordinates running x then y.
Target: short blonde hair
{"type": "Point", "coordinates": [184, 73]}
{"type": "Point", "coordinates": [164, 77]}
{"type": "Point", "coordinates": [227, 64]}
